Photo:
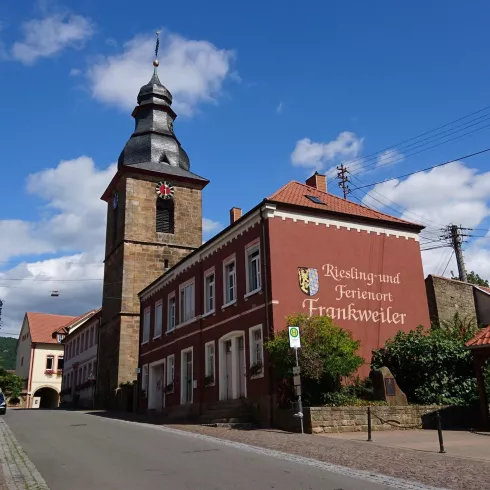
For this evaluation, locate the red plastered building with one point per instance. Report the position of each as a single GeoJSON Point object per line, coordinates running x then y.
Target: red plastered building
{"type": "Point", "coordinates": [204, 321]}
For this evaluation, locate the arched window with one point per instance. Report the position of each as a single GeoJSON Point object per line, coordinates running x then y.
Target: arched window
{"type": "Point", "coordinates": [165, 216]}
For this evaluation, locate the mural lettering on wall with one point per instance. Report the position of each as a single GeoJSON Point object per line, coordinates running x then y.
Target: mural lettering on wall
{"type": "Point", "coordinates": [341, 281]}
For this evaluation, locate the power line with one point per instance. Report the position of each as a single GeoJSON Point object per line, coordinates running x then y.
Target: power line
{"type": "Point", "coordinates": [424, 169]}
{"type": "Point", "coordinates": [450, 257]}
{"type": "Point", "coordinates": [439, 225]}
{"type": "Point", "coordinates": [399, 146]}
{"type": "Point", "coordinates": [365, 169]}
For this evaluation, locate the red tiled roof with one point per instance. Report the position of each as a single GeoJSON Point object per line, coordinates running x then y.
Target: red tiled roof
{"type": "Point", "coordinates": [480, 339]}
{"type": "Point", "coordinates": [296, 192]}
{"type": "Point", "coordinates": [42, 326]}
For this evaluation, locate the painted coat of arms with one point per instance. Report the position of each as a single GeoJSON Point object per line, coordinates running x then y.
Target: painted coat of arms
{"type": "Point", "coordinates": [308, 280]}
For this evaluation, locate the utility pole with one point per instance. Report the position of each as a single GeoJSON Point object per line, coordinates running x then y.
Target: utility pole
{"type": "Point", "coordinates": [454, 234]}
{"type": "Point", "coordinates": [343, 179]}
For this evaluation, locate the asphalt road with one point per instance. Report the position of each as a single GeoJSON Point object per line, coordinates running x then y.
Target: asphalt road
{"type": "Point", "coordinates": [78, 451]}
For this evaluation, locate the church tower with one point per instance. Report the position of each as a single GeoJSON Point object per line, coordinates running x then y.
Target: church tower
{"type": "Point", "coordinates": [154, 219]}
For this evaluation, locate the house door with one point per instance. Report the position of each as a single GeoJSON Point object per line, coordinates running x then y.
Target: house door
{"type": "Point", "coordinates": [228, 370]}
{"type": "Point", "coordinates": [241, 367]}
{"type": "Point", "coordinates": [159, 388]}
{"type": "Point", "coordinates": [188, 377]}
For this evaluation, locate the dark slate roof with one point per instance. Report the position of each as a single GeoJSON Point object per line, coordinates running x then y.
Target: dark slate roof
{"type": "Point", "coordinates": [153, 144]}
{"type": "Point", "coordinates": [168, 169]}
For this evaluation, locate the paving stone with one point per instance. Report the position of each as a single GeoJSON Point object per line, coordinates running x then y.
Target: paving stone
{"type": "Point", "coordinates": [17, 471]}
{"type": "Point", "coordinates": [438, 470]}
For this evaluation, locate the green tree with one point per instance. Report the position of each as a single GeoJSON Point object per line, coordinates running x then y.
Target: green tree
{"type": "Point", "coordinates": [432, 366]}
{"type": "Point", "coordinates": [10, 383]}
{"type": "Point", "coordinates": [327, 354]}
{"type": "Point", "coordinates": [473, 278]}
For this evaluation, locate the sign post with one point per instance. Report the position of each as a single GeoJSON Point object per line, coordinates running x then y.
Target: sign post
{"type": "Point", "coordinates": [295, 343]}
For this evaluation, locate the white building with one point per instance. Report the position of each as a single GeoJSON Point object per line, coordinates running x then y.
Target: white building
{"type": "Point", "coordinates": [40, 357]}
{"type": "Point", "coordinates": [80, 370]}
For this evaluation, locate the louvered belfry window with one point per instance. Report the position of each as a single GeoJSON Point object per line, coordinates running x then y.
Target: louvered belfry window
{"type": "Point", "coordinates": [165, 216]}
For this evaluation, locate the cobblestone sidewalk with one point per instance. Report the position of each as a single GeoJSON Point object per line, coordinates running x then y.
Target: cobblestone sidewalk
{"type": "Point", "coordinates": [16, 471]}
{"type": "Point", "coordinates": [438, 470]}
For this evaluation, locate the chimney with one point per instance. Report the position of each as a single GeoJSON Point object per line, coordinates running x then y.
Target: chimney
{"type": "Point", "coordinates": [317, 181]}
{"type": "Point", "coordinates": [235, 214]}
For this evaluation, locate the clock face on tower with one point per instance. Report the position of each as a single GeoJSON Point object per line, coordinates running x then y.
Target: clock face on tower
{"type": "Point", "coordinates": [164, 190]}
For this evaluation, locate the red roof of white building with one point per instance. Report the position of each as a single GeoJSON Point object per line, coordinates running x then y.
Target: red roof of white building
{"type": "Point", "coordinates": [295, 193]}
{"type": "Point", "coordinates": [42, 326]}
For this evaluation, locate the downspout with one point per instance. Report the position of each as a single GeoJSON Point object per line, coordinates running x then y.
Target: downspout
{"type": "Point", "coordinates": [201, 381]}
{"type": "Point", "coordinates": [29, 385]}
{"type": "Point", "coordinates": [265, 247]}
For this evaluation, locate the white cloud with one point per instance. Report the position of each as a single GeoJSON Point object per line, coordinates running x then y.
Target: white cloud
{"type": "Point", "coordinates": [193, 71]}
{"type": "Point", "coordinates": [454, 194]}
{"type": "Point", "coordinates": [389, 157]}
{"type": "Point", "coordinates": [71, 228]}
{"type": "Point", "coordinates": [210, 227]}
{"type": "Point", "coordinates": [74, 72]}
{"type": "Point", "coordinates": [50, 35]}
{"type": "Point", "coordinates": [78, 293]}
{"type": "Point", "coordinates": [308, 153]}
{"type": "Point", "coordinates": [279, 107]}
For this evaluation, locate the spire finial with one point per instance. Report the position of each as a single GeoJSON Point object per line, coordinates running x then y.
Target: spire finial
{"type": "Point", "coordinates": [155, 62]}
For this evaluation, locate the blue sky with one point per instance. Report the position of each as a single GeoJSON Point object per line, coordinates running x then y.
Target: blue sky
{"type": "Point", "coordinates": [265, 93]}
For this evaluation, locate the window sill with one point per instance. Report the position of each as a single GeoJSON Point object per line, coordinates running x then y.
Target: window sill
{"type": "Point", "coordinates": [146, 342]}
{"type": "Point", "coordinates": [228, 304]}
{"type": "Point", "coordinates": [157, 337]}
{"type": "Point", "coordinates": [208, 313]}
{"type": "Point", "coordinates": [168, 332]}
{"type": "Point", "coordinates": [187, 322]}
{"type": "Point", "coordinates": [251, 293]}
{"type": "Point", "coordinates": [210, 385]}
{"type": "Point", "coordinates": [257, 376]}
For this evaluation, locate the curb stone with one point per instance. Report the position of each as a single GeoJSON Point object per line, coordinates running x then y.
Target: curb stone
{"type": "Point", "coordinates": [18, 470]}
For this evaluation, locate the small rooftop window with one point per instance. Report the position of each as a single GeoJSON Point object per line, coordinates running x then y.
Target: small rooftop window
{"type": "Point", "coordinates": [315, 199]}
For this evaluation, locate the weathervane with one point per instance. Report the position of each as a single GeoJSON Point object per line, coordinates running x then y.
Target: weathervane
{"type": "Point", "coordinates": [155, 63]}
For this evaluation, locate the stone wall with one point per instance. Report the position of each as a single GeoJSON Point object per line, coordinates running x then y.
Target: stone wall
{"type": "Point", "coordinates": [446, 297]}
{"type": "Point", "coordinates": [318, 420]}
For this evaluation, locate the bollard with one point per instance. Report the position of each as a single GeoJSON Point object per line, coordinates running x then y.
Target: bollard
{"type": "Point", "coordinates": [439, 433]}
{"type": "Point", "coordinates": [369, 425]}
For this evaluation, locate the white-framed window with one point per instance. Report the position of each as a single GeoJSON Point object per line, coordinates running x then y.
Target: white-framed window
{"type": "Point", "coordinates": [229, 281]}
{"type": "Point", "coordinates": [158, 320]}
{"type": "Point", "coordinates": [256, 350]}
{"type": "Point", "coordinates": [49, 363]}
{"type": "Point", "coordinates": [144, 378]}
{"type": "Point", "coordinates": [171, 312]}
{"type": "Point", "coordinates": [252, 257]}
{"type": "Point", "coordinates": [186, 376]}
{"type": "Point", "coordinates": [146, 326]}
{"type": "Point", "coordinates": [170, 373]}
{"type": "Point", "coordinates": [186, 303]}
{"type": "Point", "coordinates": [209, 291]}
{"type": "Point", "coordinates": [60, 337]}
{"type": "Point", "coordinates": [210, 363]}
{"type": "Point", "coordinates": [61, 363]}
